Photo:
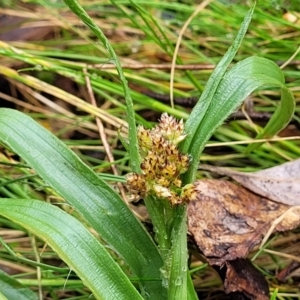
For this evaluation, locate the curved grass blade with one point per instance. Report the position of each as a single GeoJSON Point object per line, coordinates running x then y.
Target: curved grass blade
{"type": "Point", "coordinates": [74, 244]}
{"type": "Point", "coordinates": [238, 83]}
{"type": "Point", "coordinates": [281, 117]}
{"type": "Point", "coordinates": [102, 207]}
{"type": "Point", "coordinates": [194, 121]}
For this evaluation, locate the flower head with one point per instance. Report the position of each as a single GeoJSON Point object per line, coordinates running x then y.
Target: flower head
{"type": "Point", "coordinates": [162, 161]}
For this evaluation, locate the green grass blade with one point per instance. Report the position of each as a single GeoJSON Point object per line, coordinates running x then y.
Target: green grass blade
{"type": "Point", "coordinates": [103, 208]}
{"type": "Point", "coordinates": [281, 117]}
{"type": "Point", "coordinates": [192, 295]}
{"type": "Point", "coordinates": [11, 289]}
{"type": "Point", "coordinates": [274, 294]}
{"type": "Point", "coordinates": [133, 144]}
{"type": "Point", "coordinates": [74, 244]}
{"type": "Point", "coordinates": [27, 261]}
{"type": "Point", "coordinates": [158, 34]}
{"type": "Point", "coordinates": [2, 297]}
{"type": "Point", "coordinates": [238, 83]}
{"type": "Point", "coordinates": [194, 121]}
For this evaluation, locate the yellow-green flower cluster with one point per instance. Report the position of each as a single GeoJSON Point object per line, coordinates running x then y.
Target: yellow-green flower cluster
{"type": "Point", "coordinates": [162, 162]}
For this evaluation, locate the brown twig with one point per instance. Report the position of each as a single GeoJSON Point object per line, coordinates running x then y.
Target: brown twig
{"type": "Point", "coordinates": [139, 66]}
{"type": "Point", "coordinates": [199, 7]}
{"type": "Point", "coordinates": [103, 135]}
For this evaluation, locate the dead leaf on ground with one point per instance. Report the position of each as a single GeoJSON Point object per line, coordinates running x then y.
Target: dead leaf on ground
{"type": "Point", "coordinates": [280, 183]}
{"type": "Point", "coordinates": [227, 221]}
{"type": "Point", "coordinates": [243, 281]}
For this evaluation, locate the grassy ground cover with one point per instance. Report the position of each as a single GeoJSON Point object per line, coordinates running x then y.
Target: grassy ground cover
{"type": "Point", "coordinates": [66, 78]}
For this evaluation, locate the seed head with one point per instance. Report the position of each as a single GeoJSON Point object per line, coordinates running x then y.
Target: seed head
{"type": "Point", "coordinates": [162, 162]}
{"type": "Point", "coordinates": [171, 129]}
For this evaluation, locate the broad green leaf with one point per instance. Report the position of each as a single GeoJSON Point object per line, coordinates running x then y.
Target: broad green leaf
{"type": "Point", "coordinates": [102, 207]}
{"type": "Point", "coordinates": [74, 244]}
{"type": "Point", "coordinates": [194, 122]}
{"type": "Point", "coordinates": [10, 288]}
{"type": "Point", "coordinates": [238, 83]}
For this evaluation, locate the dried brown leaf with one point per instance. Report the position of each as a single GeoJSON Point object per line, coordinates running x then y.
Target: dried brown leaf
{"type": "Point", "coordinates": [280, 183]}
{"type": "Point", "coordinates": [227, 221]}
{"type": "Point", "coordinates": [243, 281]}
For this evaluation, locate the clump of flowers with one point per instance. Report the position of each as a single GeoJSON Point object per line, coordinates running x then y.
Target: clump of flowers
{"type": "Point", "coordinates": [162, 162]}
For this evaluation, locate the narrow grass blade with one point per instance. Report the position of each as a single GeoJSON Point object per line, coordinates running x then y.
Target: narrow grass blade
{"type": "Point", "coordinates": [11, 289]}
{"type": "Point", "coordinates": [192, 295]}
{"type": "Point", "coordinates": [27, 261]}
{"type": "Point", "coordinates": [274, 294]}
{"type": "Point", "coordinates": [194, 122]}
{"type": "Point", "coordinates": [133, 144]}
{"type": "Point", "coordinates": [103, 208]}
{"type": "Point", "coordinates": [74, 244]}
{"type": "Point", "coordinates": [199, 111]}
